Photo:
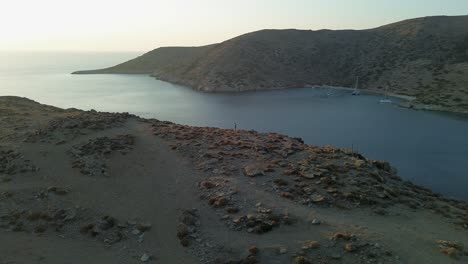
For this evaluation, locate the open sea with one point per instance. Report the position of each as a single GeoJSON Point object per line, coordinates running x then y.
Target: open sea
{"type": "Point", "coordinates": [428, 148]}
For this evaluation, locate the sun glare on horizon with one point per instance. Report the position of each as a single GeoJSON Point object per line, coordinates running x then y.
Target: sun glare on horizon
{"type": "Point", "coordinates": [142, 25]}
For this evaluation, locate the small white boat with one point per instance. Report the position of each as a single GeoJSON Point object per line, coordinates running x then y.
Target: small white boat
{"type": "Point", "coordinates": [385, 100]}
{"type": "Point", "coordinates": [356, 90]}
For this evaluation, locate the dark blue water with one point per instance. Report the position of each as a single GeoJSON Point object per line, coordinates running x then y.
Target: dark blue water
{"type": "Point", "coordinates": [428, 148]}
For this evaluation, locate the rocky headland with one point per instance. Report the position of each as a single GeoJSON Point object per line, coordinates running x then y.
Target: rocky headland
{"type": "Point", "coordinates": [425, 58]}
{"type": "Point", "coordinates": [90, 187]}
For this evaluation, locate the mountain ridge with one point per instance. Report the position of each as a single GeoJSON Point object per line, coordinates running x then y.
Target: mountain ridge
{"type": "Point", "coordinates": [423, 57]}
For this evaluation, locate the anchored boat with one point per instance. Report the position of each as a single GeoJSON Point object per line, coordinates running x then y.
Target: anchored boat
{"type": "Point", "coordinates": [356, 90]}
{"type": "Point", "coordinates": [386, 99]}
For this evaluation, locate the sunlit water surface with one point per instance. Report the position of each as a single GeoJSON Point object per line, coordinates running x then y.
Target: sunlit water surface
{"type": "Point", "coordinates": [427, 148]}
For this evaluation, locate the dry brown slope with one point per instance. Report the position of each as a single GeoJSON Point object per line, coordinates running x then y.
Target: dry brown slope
{"type": "Point", "coordinates": [58, 206]}
{"type": "Point", "coordinates": [173, 59]}
{"type": "Point", "coordinates": [424, 57]}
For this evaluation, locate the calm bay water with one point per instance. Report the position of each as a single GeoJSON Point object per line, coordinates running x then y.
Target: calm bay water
{"type": "Point", "coordinates": [428, 148]}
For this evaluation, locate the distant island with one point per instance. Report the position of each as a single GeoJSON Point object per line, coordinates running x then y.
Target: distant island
{"type": "Point", "coordinates": [426, 58]}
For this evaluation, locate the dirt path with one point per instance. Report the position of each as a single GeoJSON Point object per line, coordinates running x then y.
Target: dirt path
{"type": "Point", "coordinates": [87, 187]}
{"type": "Point", "coordinates": [149, 183]}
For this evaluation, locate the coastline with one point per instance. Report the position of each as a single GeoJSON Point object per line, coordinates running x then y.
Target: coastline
{"type": "Point", "coordinates": [408, 101]}
{"type": "Point", "coordinates": [436, 108]}
{"type": "Point", "coordinates": [368, 91]}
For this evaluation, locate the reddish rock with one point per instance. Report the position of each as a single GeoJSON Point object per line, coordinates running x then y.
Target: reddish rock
{"type": "Point", "coordinates": [207, 184]}
{"type": "Point", "coordinates": [311, 244]}
{"type": "Point", "coordinates": [350, 247]}
{"type": "Point", "coordinates": [254, 169]}
{"type": "Point", "coordinates": [253, 250]}
{"type": "Point", "coordinates": [286, 195]}
{"type": "Point", "coordinates": [339, 235]}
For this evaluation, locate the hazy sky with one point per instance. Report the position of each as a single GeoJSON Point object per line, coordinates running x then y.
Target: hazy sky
{"type": "Point", "coordinates": [140, 25]}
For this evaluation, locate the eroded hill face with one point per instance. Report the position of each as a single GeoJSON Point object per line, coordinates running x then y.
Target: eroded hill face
{"type": "Point", "coordinates": [423, 57]}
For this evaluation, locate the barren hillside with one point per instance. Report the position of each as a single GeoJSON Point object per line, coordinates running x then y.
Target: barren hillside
{"type": "Point", "coordinates": [423, 57]}
{"type": "Point", "coordinates": [92, 187]}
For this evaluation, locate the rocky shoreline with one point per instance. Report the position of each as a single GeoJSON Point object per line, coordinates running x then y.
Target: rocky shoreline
{"type": "Point", "coordinates": [81, 186]}
{"type": "Point", "coordinates": [424, 57]}
{"type": "Point", "coordinates": [410, 102]}
{"type": "Point", "coordinates": [430, 107]}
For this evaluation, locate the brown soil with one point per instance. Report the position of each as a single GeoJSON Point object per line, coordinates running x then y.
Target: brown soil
{"type": "Point", "coordinates": [89, 187]}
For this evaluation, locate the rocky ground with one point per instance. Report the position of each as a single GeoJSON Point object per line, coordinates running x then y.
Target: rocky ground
{"type": "Point", "coordinates": [94, 187]}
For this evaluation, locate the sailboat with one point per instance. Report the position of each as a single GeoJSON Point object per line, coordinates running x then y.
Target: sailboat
{"type": "Point", "coordinates": [356, 90]}
{"type": "Point", "coordinates": [385, 100]}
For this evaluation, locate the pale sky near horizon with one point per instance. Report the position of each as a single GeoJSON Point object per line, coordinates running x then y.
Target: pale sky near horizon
{"type": "Point", "coordinates": [141, 25]}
